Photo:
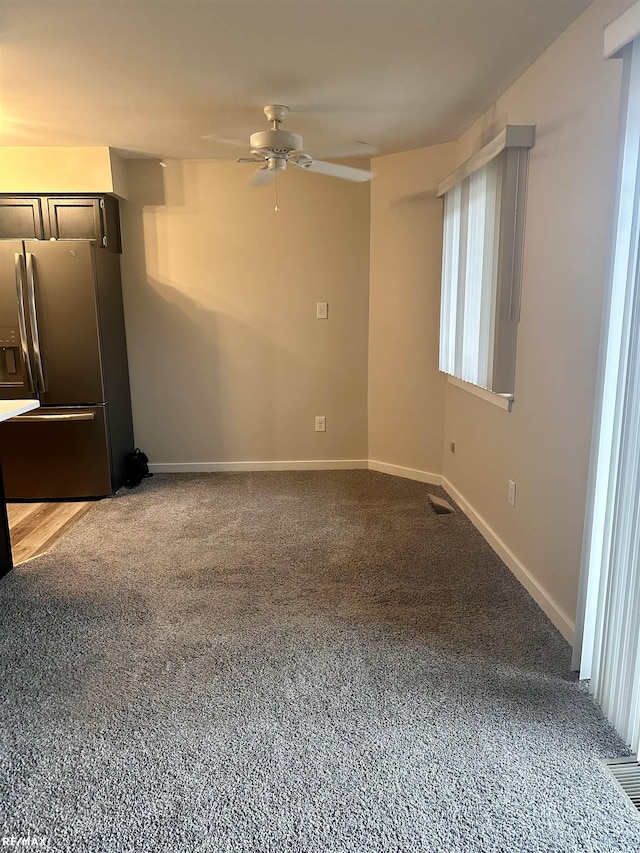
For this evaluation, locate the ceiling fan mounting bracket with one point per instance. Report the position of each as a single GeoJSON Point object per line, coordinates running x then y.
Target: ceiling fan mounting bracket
{"type": "Point", "coordinates": [276, 112]}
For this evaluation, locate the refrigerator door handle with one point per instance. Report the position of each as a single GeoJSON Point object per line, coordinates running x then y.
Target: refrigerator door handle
{"type": "Point", "coordinates": [71, 416]}
{"type": "Point", "coordinates": [22, 320]}
{"type": "Point", "coordinates": [33, 316]}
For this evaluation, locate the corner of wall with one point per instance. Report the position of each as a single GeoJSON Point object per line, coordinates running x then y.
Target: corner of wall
{"type": "Point", "coordinates": [406, 391]}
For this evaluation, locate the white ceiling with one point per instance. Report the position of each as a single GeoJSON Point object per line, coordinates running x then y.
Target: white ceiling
{"type": "Point", "coordinates": [151, 77]}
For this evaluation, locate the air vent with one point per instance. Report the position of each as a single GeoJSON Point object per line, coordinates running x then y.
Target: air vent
{"type": "Point", "coordinates": [440, 506]}
{"type": "Point", "coordinates": [626, 772]}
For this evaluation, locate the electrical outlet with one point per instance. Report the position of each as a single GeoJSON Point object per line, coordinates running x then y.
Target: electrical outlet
{"type": "Point", "coordinates": [511, 493]}
{"type": "Point", "coordinates": [321, 423]}
{"type": "Point", "coordinates": [322, 310]}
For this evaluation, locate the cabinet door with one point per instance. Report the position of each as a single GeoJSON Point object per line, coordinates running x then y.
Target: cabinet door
{"type": "Point", "coordinates": [75, 218]}
{"type": "Point", "coordinates": [85, 218]}
{"type": "Point", "coordinates": [21, 219]}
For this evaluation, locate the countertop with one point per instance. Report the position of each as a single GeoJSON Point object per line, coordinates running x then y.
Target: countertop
{"type": "Point", "coordinates": [11, 408]}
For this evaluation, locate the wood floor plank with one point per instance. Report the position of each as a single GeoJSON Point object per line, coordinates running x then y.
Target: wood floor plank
{"type": "Point", "coordinates": [34, 532]}
{"type": "Point", "coordinates": [65, 522]}
{"type": "Point", "coordinates": [18, 512]}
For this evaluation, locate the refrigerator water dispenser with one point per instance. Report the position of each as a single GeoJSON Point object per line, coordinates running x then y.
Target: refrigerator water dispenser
{"type": "Point", "coordinates": [10, 349]}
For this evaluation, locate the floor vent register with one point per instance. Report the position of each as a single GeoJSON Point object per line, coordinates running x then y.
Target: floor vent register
{"type": "Point", "coordinates": [626, 772]}
{"type": "Point", "coordinates": [440, 506]}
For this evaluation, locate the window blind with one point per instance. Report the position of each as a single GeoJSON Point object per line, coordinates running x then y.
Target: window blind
{"type": "Point", "coordinates": [482, 239]}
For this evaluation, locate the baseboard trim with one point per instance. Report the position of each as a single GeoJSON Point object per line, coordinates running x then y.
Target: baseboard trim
{"type": "Point", "coordinates": [283, 465]}
{"type": "Point", "coordinates": [553, 610]}
{"type": "Point", "coordinates": [407, 473]}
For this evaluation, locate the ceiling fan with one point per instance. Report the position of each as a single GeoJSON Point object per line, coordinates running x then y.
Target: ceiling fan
{"type": "Point", "coordinates": [275, 148]}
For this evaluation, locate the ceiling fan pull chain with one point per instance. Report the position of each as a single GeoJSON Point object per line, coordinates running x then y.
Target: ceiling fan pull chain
{"type": "Point", "coordinates": [277, 208]}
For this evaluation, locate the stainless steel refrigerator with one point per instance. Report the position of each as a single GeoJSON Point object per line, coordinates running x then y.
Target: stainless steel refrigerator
{"type": "Point", "coordinates": [62, 341]}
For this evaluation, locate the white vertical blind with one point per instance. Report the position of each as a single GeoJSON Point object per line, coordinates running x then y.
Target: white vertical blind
{"type": "Point", "coordinates": [484, 204]}
{"type": "Point", "coordinates": [469, 275]}
{"type": "Point", "coordinates": [611, 557]}
{"type": "Point", "coordinates": [450, 274]}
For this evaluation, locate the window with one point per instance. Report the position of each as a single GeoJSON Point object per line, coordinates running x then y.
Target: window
{"type": "Point", "coordinates": [481, 262]}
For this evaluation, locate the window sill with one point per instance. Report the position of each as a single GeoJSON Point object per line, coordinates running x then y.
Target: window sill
{"type": "Point", "coordinates": [502, 401]}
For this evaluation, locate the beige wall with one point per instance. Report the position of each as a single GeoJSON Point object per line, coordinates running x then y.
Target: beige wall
{"type": "Point", "coordinates": [61, 170]}
{"type": "Point", "coordinates": [406, 392]}
{"type": "Point", "coordinates": [572, 95]}
{"type": "Point", "coordinates": [227, 360]}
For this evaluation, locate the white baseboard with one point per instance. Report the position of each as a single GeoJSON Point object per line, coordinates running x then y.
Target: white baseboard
{"type": "Point", "coordinates": [553, 610]}
{"type": "Point", "coordinates": [407, 473]}
{"type": "Point", "coordinates": [285, 465]}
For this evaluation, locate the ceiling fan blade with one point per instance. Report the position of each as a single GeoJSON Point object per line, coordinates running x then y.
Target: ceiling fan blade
{"type": "Point", "coordinates": [262, 176]}
{"type": "Point", "coordinates": [336, 170]}
{"type": "Point", "coordinates": [225, 140]}
{"type": "Point", "coordinates": [347, 149]}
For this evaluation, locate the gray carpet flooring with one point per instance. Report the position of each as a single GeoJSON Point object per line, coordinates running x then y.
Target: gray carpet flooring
{"type": "Point", "coordinates": [310, 662]}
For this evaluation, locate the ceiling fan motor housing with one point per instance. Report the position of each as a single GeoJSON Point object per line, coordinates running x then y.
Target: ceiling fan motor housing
{"type": "Point", "coordinates": [280, 142]}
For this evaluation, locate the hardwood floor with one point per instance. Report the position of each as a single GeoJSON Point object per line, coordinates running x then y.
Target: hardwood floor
{"type": "Point", "coordinates": [36, 527]}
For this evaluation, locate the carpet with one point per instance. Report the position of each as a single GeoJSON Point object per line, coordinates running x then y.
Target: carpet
{"type": "Point", "coordinates": [292, 661]}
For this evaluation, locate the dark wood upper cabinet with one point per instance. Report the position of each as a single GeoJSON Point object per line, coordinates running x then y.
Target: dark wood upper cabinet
{"type": "Point", "coordinates": [82, 218]}
{"type": "Point", "coordinates": [61, 217]}
{"type": "Point", "coordinates": [21, 218]}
